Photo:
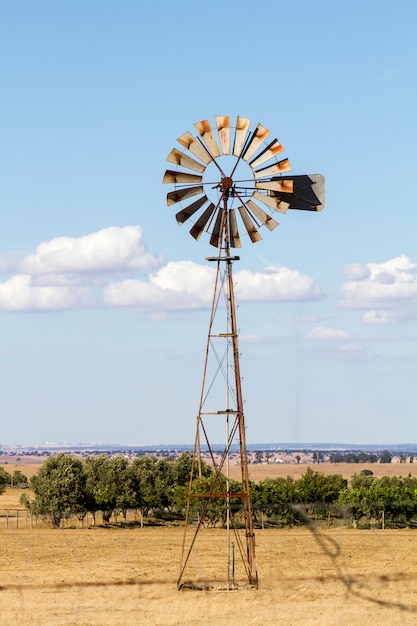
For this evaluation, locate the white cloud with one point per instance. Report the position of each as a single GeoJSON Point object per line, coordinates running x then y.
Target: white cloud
{"type": "Point", "coordinates": [355, 271]}
{"type": "Point", "coordinates": [388, 290]}
{"type": "Point", "coordinates": [187, 285]}
{"type": "Point", "coordinates": [323, 333]}
{"type": "Point", "coordinates": [275, 284]}
{"type": "Point", "coordinates": [19, 293]}
{"type": "Point", "coordinates": [183, 285]}
{"type": "Point", "coordinates": [380, 317]}
{"type": "Point", "coordinates": [148, 296]}
{"type": "Point", "coordinates": [111, 250]}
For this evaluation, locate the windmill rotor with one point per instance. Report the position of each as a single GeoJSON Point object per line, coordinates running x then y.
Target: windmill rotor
{"type": "Point", "coordinates": [224, 148]}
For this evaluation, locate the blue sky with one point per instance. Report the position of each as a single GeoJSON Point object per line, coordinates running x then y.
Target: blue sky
{"type": "Point", "coordinates": [103, 299]}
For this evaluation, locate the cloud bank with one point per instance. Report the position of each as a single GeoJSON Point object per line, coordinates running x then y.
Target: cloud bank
{"type": "Point", "coordinates": [113, 268]}
{"type": "Point", "coordinates": [387, 292]}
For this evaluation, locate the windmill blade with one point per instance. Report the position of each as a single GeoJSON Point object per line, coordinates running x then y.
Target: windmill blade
{"type": "Point", "coordinates": [259, 136]}
{"type": "Point", "coordinates": [183, 215]}
{"type": "Point", "coordinates": [190, 142]}
{"type": "Point", "coordinates": [270, 151]}
{"type": "Point", "coordinates": [182, 194]}
{"type": "Point", "coordinates": [249, 225]}
{"type": "Point", "coordinates": [273, 202]}
{"type": "Point", "coordinates": [282, 185]}
{"type": "Point", "coordinates": [266, 219]}
{"type": "Point", "coordinates": [172, 176]}
{"type": "Point", "coordinates": [234, 238]}
{"type": "Point", "coordinates": [206, 134]}
{"type": "Point", "coordinates": [242, 125]}
{"type": "Point", "coordinates": [307, 194]}
{"type": "Point", "coordinates": [276, 168]}
{"type": "Point", "coordinates": [223, 129]}
{"type": "Point", "coordinates": [215, 238]}
{"type": "Point", "coordinates": [200, 224]}
{"type": "Point", "coordinates": [179, 158]}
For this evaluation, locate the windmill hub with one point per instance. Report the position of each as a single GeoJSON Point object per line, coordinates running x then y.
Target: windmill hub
{"type": "Point", "coordinates": [227, 185]}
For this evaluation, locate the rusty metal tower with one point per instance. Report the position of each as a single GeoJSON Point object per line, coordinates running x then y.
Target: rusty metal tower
{"type": "Point", "coordinates": [232, 172]}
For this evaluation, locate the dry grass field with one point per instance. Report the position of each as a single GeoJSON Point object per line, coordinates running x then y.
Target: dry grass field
{"type": "Point", "coordinates": [113, 576]}
{"type": "Point", "coordinates": [273, 470]}
{"type": "Point", "coordinates": [127, 577]}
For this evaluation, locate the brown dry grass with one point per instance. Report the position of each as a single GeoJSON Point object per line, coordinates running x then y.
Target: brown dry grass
{"type": "Point", "coordinates": [128, 577]}
{"type": "Point", "coordinates": [260, 471]}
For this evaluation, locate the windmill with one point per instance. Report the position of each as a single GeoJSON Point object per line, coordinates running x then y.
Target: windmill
{"type": "Point", "coordinates": [226, 177]}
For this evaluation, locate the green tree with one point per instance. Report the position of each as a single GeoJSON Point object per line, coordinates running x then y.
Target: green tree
{"type": "Point", "coordinates": [275, 496]}
{"type": "Point", "coordinates": [4, 479]}
{"type": "Point", "coordinates": [315, 487]}
{"type": "Point", "coordinates": [110, 485]}
{"type": "Point", "coordinates": [18, 479]}
{"type": "Point", "coordinates": [385, 457]}
{"type": "Point", "coordinates": [181, 469]}
{"type": "Point", "coordinates": [155, 482]}
{"type": "Point", "coordinates": [59, 488]}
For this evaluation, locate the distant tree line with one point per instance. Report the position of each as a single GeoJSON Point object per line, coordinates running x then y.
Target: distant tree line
{"type": "Point", "coordinates": [156, 489]}
{"type": "Point", "coordinates": [354, 457]}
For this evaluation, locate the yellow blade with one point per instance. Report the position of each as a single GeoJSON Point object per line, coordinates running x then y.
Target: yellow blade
{"type": "Point", "coordinates": [249, 225]}
{"type": "Point", "coordinates": [181, 194]}
{"type": "Point", "coordinates": [179, 158]}
{"type": "Point", "coordinates": [188, 211]}
{"type": "Point", "coordinates": [200, 224]}
{"type": "Point", "coordinates": [285, 186]}
{"type": "Point", "coordinates": [277, 168]}
{"type": "Point", "coordinates": [172, 176]}
{"type": "Point", "coordinates": [223, 128]}
{"type": "Point", "coordinates": [190, 142]}
{"type": "Point", "coordinates": [270, 151]}
{"type": "Point", "coordinates": [215, 239]}
{"type": "Point", "coordinates": [242, 125]}
{"type": "Point", "coordinates": [234, 238]}
{"type": "Point", "coordinates": [258, 137]}
{"type": "Point", "coordinates": [266, 219]}
{"type": "Point", "coordinates": [207, 136]}
{"type": "Point", "coordinates": [274, 203]}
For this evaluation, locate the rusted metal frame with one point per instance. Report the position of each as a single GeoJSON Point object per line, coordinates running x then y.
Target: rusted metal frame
{"type": "Point", "coordinates": [250, 543]}
{"type": "Point", "coordinates": [205, 508]}
{"type": "Point", "coordinates": [187, 509]}
{"type": "Point", "coordinates": [242, 551]}
{"type": "Point", "coordinates": [210, 344]}
{"type": "Point", "coordinates": [253, 217]}
{"type": "Point", "coordinates": [218, 467]}
{"type": "Point", "coordinates": [220, 369]}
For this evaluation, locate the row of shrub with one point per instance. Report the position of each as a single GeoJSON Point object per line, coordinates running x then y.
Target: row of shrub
{"type": "Point", "coordinates": [67, 486]}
